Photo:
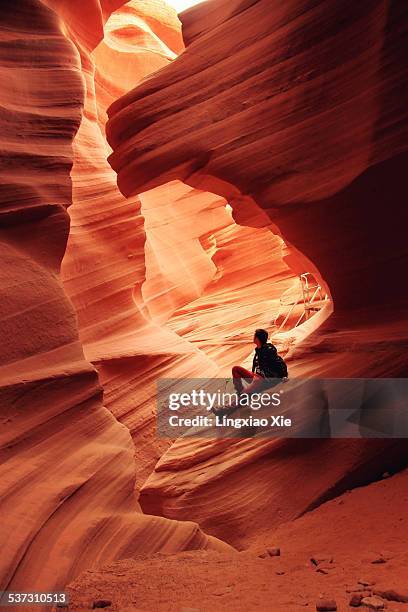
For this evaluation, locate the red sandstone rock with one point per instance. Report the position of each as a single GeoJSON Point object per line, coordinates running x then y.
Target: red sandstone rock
{"type": "Point", "coordinates": [400, 595]}
{"type": "Point", "coordinates": [112, 300]}
{"type": "Point", "coordinates": [317, 158]}
{"type": "Point", "coordinates": [68, 471]}
{"type": "Point", "coordinates": [103, 273]}
{"type": "Point", "coordinates": [309, 144]}
{"type": "Point", "coordinates": [373, 603]}
{"type": "Point", "coordinates": [155, 580]}
{"type": "Point", "coordinates": [326, 605]}
{"type": "Point", "coordinates": [355, 600]}
{"type": "Point", "coordinates": [289, 139]}
{"type": "Point", "coordinates": [174, 253]}
{"type": "Point", "coordinates": [101, 603]}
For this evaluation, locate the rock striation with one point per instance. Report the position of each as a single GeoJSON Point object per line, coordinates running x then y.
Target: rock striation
{"type": "Point", "coordinates": [68, 470]}
{"type": "Point", "coordinates": [297, 121]}
{"type": "Point", "coordinates": [144, 272]}
{"type": "Point", "coordinates": [287, 119]}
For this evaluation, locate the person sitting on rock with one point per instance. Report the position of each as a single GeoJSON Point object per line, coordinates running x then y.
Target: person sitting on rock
{"type": "Point", "coordinates": [266, 364]}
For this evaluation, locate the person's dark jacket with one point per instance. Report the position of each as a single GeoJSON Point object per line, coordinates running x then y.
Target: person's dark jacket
{"type": "Point", "coordinates": [265, 360]}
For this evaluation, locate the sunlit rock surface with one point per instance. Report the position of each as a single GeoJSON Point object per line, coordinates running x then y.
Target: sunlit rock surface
{"type": "Point", "coordinates": [133, 264]}
{"type": "Point", "coordinates": [292, 111]}
{"type": "Point", "coordinates": [298, 121]}
{"type": "Point", "coordinates": [104, 266]}
{"type": "Point", "coordinates": [68, 470]}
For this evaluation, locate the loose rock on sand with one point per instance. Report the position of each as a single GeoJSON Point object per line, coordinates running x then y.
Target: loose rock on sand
{"type": "Point", "coordinates": [326, 605]}
{"type": "Point", "coordinates": [373, 603]}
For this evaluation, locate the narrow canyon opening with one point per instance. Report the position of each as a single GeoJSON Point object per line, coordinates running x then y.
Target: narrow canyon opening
{"type": "Point", "coordinates": [165, 283]}
{"type": "Point", "coordinates": [180, 276]}
{"type": "Point", "coordinates": [164, 191]}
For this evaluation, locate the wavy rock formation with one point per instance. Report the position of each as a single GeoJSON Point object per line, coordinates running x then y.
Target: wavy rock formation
{"type": "Point", "coordinates": [104, 266]}
{"type": "Point", "coordinates": [132, 264]}
{"type": "Point", "coordinates": [244, 273]}
{"type": "Point", "coordinates": [242, 490]}
{"type": "Point", "coordinates": [294, 120]}
{"type": "Point", "coordinates": [292, 111]}
{"type": "Point", "coordinates": [68, 471]}
{"type": "Point", "coordinates": [297, 120]}
{"type": "Point", "coordinates": [369, 548]}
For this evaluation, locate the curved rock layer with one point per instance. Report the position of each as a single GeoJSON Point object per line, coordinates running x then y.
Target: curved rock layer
{"type": "Point", "coordinates": [297, 119]}
{"type": "Point", "coordinates": [244, 272]}
{"type": "Point", "coordinates": [152, 298]}
{"type": "Point", "coordinates": [167, 256]}
{"type": "Point", "coordinates": [291, 111]}
{"type": "Point", "coordinates": [242, 490]}
{"type": "Point", "coordinates": [67, 466]}
{"type": "Point", "coordinates": [107, 260]}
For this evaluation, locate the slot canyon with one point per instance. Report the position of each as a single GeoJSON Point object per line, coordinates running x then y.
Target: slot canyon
{"type": "Point", "coordinates": [166, 179]}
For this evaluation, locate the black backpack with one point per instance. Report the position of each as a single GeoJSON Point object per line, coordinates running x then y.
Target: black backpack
{"type": "Point", "coordinates": [279, 366]}
{"type": "Point", "coordinates": [273, 366]}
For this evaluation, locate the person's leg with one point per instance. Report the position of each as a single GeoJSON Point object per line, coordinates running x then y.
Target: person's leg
{"type": "Point", "coordinates": [257, 385]}
{"type": "Point", "coordinates": [238, 374]}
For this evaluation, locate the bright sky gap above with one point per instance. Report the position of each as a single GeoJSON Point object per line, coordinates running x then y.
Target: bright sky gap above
{"type": "Point", "coordinates": [181, 5]}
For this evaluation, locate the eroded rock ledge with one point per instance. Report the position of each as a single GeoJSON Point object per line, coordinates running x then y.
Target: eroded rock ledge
{"type": "Point", "coordinates": [294, 115]}
{"type": "Point", "coordinates": [290, 108]}
{"type": "Point", "coordinates": [316, 87]}
{"type": "Point", "coordinates": [68, 470]}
